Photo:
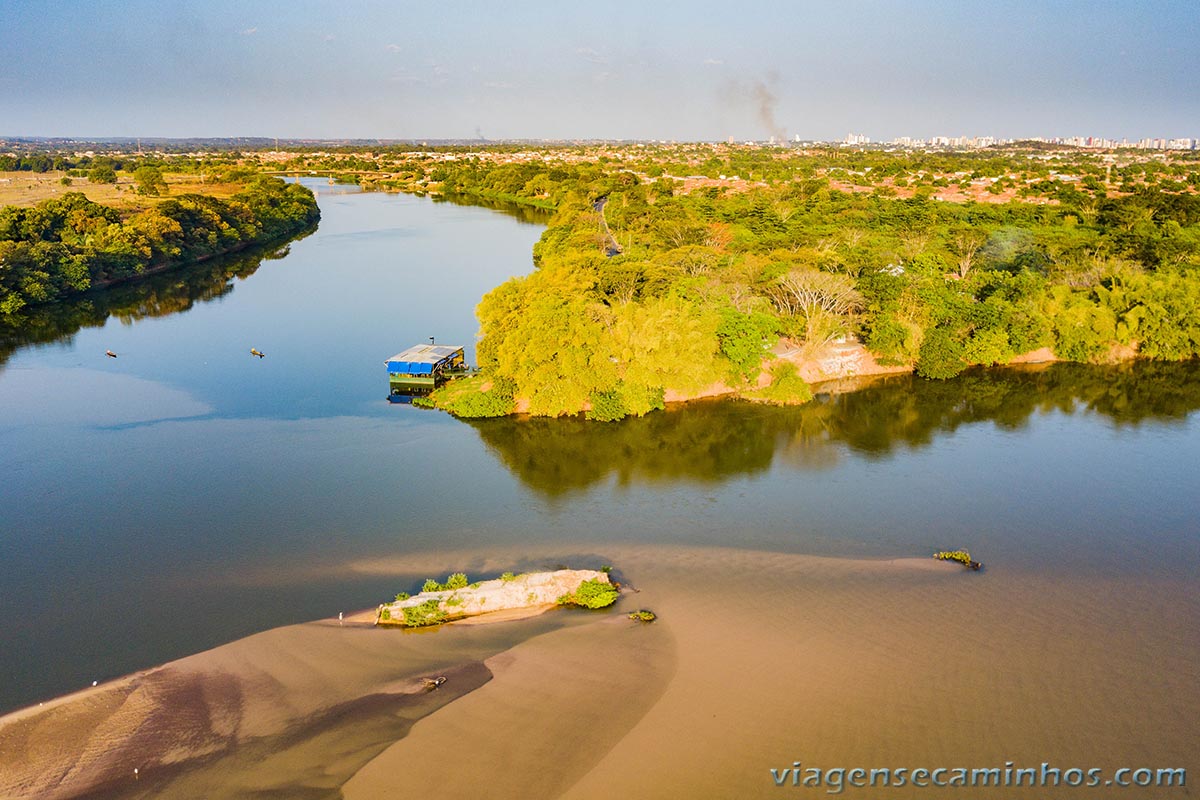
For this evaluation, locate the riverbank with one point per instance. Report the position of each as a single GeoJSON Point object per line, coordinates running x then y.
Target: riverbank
{"type": "Point", "coordinates": [69, 245]}
{"type": "Point", "coordinates": [469, 194]}
{"type": "Point", "coordinates": [829, 661]}
{"type": "Point", "coordinates": [702, 277]}
{"type": "Point", "coordinates": [836, 367]}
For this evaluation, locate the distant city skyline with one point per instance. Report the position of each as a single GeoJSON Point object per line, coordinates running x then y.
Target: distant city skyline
{"type": "Point", "coordinates": [1143, 143]}
{"type": "Point", "coordinates": [687, 72]}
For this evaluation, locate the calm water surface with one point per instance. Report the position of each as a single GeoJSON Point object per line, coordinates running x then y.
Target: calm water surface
{"type": "Point", "coordinates": [187, 493]}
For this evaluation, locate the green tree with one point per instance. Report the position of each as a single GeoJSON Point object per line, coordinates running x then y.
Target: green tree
{"type": "Point", "coordinates": [149, 181]}
{"type": "Point", "coordinates": [102, 174]}
{"type": "Point", "coordinates": [941, 355]}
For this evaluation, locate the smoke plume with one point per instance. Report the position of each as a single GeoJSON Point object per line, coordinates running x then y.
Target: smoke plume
{"type": "Point", "coordinates": [759, 95]}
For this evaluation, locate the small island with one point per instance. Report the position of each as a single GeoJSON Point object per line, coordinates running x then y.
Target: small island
{"type": "Point", "coordinates": [531, 591]}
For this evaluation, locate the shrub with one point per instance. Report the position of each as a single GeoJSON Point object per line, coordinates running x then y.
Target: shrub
{"type": "Point", "coordinates": [428, 613]}
{"type": "Point", "coordinates": [508, 576]}
{"type": "Point", "coordinates": [890, 340]}
{"type": "Point", "coordinates": [458, 580]}
{"type": "Point", "coordinates": [961, 556]}
{"type": "Point", "coordinates": [988, 346]}
{"type": "Point", "coordinates": [402, 596]}
{"type": "Point", "coordinates": [643, 615]}
{"type": "Point", "coordinates": [787, 387]}
{"type": "Point", "coordinates": [941, 355]}
{"type": "Point", "coordinates": [641, 400]}
{"type": "Point", "coordinates": [102, 174]}
{"type": "Point", "coordinates": [591, 594]}
{"type": "Point", "coordinates": [744, 338]}
{"type": "Point", "coordinates": [466, 398]}
{"type": "Point", "coordinates": [385, 614]}
{"type": "Point", "coordinates": [149, 181]}
{"type": "Point", "coordinates": [607, 407]}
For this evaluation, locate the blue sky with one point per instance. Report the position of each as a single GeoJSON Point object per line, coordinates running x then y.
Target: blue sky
{"type": "Point", "coordinates": [664, 70]}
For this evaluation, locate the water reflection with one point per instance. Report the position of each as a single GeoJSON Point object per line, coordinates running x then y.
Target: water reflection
{"type": "Point", "coordinates": [154, 296]}
{"type": "Point", "coordinates": [710, 442]}
{"type": "Point", "coordinates": [530, 215]}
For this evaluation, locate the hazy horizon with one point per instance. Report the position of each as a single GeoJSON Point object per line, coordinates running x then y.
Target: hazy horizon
{"type": "Point", "coordinates": [696, 72]}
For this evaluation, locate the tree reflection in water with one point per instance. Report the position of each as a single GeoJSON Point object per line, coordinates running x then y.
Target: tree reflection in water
{"type": "Point", "coordinates": [159, 295]}
{"type": "Point", "coordinates": [714, 441]}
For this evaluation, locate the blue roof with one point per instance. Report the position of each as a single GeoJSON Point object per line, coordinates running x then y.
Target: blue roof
{"type": "Point", "coordinates": [422, 359]}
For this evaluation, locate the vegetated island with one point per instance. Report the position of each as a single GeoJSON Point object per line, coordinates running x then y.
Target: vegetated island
{"type": "Point", "coordinates": [681, 271]}
{"type": "Point", "coordinates": [533, 592]}
{"type": "Point", "coordinates": [961, 556]}
{"type": "Point", "coordinates": [68, 245]}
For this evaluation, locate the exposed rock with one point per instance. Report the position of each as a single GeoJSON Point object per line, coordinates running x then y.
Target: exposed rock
{"type": "Point", "coordinates": [842, 358]}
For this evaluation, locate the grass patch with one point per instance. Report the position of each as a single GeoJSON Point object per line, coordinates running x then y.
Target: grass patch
{"type": "Point", "coordinates": [475, 397]}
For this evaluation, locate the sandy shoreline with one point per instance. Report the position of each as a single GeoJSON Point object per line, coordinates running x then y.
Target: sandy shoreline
{"type": "Point", "coordinates": [212, 724]}
{"type": "Point", "coordinates": [758, 659]}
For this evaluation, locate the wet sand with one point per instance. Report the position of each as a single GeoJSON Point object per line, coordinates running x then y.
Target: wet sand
{"type": "Point", "coordinates": [293, 711]}
{"type": "Point", "coordinates": [563, 700]}
{"type": "Point", "coordinates": [758, 660]}
{"type": "Point", "coordinates": [838, 663]}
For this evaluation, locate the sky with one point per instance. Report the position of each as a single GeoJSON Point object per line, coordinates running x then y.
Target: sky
{"type": "Point", "coordinates": [652, 69]}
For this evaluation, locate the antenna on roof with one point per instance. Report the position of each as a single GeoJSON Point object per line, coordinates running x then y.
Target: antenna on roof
{"type": "Point", "coordinates": [431, 340]}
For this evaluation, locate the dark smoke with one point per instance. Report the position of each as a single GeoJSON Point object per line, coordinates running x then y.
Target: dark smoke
{"type": "Point", "coordinates": [766, 100]}
{"type": "Point", "coordinates": [759, 94]}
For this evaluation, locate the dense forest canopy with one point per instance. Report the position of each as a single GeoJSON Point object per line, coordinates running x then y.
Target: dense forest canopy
{"type": "Point", "coordinates": [675, 270]}
{"type": "Point", "coordinates": [68, 244]}
{"type": "Point", "coordinates": [646, 289]}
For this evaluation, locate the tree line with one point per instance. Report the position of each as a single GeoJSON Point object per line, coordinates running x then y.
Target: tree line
{"type": "Point", "coordinates": [69, 244]}
{"type": "Point", "coordinates": [706, 281]}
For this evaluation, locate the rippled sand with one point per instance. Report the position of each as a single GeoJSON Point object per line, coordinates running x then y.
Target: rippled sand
{"type": "Point", "coordinates": [759, 660]}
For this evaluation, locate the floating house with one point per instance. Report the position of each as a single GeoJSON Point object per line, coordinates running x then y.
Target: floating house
{"type": "Point", "coordinates": [422, 368]}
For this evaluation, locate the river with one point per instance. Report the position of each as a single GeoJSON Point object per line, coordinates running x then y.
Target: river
{"type": "Point", "coordinates": [186, 493]}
